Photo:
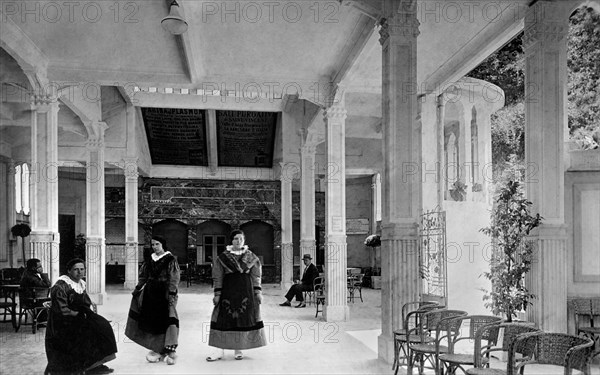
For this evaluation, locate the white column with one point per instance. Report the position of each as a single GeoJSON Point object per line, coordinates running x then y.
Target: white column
{"type": "Point", "coordinates": [287, 247]}
{"type": "Point", "coordinates": [544, 42]}
{"type": "Point", "coordinates": [307, 202]}
{"type": "Point", "coordinates": [336, 306]}
{"type": "Point", "coordinates": [5, 224]}
{"type": "Point", "coordinates": [402, 168]}
{"type": "Point", "coordinates": [43, 194]}
{"type": "Point", "coordinates": [95, 231]}
{"type": "Point", "coordinates": [131, 222]}
{"type": "Point", "coordinates": [11, 215]}
{"type": "Point", "coordinates": [375, 212]}
{"type": "Point", "coordinates": [431, 166]}
{"type": "Point", "coordinates": [441, 118]}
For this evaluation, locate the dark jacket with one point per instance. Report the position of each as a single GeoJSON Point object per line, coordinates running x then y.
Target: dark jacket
{"type": "Point", "coordinates": [310, 275]}
{"type": "Point", "coordinates": [31, 279]}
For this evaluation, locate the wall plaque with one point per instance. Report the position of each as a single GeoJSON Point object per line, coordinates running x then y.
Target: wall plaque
{"type": "Point", "coordinates": [357, 226]}
{"type": "Point", "coordinates": [245, 138]}
{"type": "Point", "coordinates": [176, 136]}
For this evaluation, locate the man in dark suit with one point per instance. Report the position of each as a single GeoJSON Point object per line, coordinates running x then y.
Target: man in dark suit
{"type": "Point", "coordinates": [34, 276]}
{"type": "Point", "coordinates": [305, 284]}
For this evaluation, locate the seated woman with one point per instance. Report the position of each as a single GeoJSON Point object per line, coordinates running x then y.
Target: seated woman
{"type": "Point", "coordinates": [77, 339]}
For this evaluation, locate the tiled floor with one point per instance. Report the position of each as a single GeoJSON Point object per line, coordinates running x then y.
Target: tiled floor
{"type": "Point", "coordinates": [297, 342]}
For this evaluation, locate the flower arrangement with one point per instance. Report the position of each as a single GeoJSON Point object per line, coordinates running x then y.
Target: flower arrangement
{"type": "Point", "coordinates": [373, 240]}
{"type": "Point", "coordinates": [20, 230]}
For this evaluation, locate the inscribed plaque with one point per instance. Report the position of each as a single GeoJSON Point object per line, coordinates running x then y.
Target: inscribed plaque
{"type": "Point", "coordinates": [245, 138]}
{"type": "Point", "coordinates": [176, 136]}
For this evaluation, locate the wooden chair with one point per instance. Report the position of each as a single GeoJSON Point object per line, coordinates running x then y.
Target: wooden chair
{"type": "Point", "coordinates": [31, 301]}
{"type": "Point", "coordinates": [441, 326]}
{"type": "Point", "coordinates": [8, 303]}
{"type": "Point", "coordinates": [355, 283]}
{"type": "Point", "coordinates": [411, 329]}
{"type": "Point", "coordinates": [451, 361]}
{"type": "Point", "coordinates": [510, 332]}
{"type": "Point", "coordinates": [319, 293]}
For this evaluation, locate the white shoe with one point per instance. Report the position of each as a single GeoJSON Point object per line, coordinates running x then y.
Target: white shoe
{"type": "Point", "coordinates": [216, 355]}
{"type": "Point", "coordinates": [153, 357]}
{"type": "Point", "coordinates": [170, 358]}
{"type": "Point", "coordinates": [238, 354]}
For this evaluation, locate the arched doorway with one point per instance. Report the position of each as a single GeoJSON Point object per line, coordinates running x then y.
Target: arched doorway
{"type": "Point", "coordinates": [176, 235]}
{"type": "Point", "coordinates": [212, 237]}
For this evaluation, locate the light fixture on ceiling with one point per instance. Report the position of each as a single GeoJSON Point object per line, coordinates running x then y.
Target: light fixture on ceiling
{"type": "Point", "coordinates": [174, 22]}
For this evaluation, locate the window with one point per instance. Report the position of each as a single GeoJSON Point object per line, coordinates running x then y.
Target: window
{"type": "Point", "coordinates": [22, 189]}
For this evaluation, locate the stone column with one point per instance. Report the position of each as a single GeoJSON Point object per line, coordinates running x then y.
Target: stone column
{"type": "Point", "coordinates": [442, 176]}
{"type": "Point", "coordinates": [544, 42]}
{"type": "Point", "coordinates": [375, 211]}
{"type": "Point", "coordinates": [43, 194]}
{"type": "Point", "coordinates": [287, 247]}
{"type": "Point", "coordinates": [307, 202]}
{"type": "Point", "coordinates": [11, 213]}
{"type": "Point", "coordinates": [95, 246]}
{"type": "Point", "coordinates": [402, 168]}
{"type": "Point", "coordinates": [131, 222]}
{"type": "Point", "coordinates": [5, 224]}
{"type": "Point", "coordinates": [336, 306]}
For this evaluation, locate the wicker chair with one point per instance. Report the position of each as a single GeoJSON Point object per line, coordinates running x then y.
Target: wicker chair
{"type": "Point", "coordinates": [510, 331]}
{"type": "Point", "coordinates": [319, 293]}
{"type": "Point", "coordinates": [440, 325]}
{"type": "Point", "coordinates": [410, 331]}
{"type": "Point", "coordinates": [31, 302]}
{"type": "Point", "coordinates": [451, 360]}
{"type": "Point", "coordinates": [558, 349]}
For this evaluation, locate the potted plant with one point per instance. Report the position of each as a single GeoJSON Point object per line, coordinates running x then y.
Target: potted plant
{"type": "Point", "coordinates": [21, 230]}
{"type": "Point", "coordinates": [511, 223]}
{"type": "Point", "coordinates": [458, 191]}
{"type": "Point", "coordinates": [374, 241]}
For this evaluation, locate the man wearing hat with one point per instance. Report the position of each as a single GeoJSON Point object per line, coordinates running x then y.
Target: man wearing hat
{"type": "Point", "coordinates": [308, 276]}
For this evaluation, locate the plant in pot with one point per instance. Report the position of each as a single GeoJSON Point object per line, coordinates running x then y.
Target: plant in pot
{"type": "Point", "coordinates": [21, 230]}
{"type": "Point", "coordinates": [511, 223]}
{"type": "Point", "coordinates": [374, 241]}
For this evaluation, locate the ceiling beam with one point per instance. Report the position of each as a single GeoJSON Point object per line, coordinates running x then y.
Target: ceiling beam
{"type": "Point", "coordinates": [186, 43]}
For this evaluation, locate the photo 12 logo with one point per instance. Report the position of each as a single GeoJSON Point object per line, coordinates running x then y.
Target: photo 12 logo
{"type": "Point", "coordinates": [70, 11]}
{"type": "Point", "coordinates": [270, 11]}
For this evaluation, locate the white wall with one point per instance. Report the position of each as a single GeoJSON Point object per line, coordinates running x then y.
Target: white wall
{"type": "Point", "coordinates": [468, 254]}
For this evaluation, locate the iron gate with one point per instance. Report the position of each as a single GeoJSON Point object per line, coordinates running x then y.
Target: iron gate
{"type": "Point", "coordinates": [432, 262]}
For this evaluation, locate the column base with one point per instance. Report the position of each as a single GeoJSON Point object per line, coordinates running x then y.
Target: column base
{"type": "Point", "coordinates": [129, 284]}
{"type": "Point", "coordinates": [336, 313]}
{"type": "Point", "coordinates": [385, 348]}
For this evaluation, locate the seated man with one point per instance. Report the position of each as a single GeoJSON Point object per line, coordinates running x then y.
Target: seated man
{"type": "Point", "coordinates": [308, 276]}
{"type": "Point", "coordinates": [34, 276]}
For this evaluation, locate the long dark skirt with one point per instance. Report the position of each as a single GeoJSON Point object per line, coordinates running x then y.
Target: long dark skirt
{"type": "Point", "coordinates": [236, 321]}
{"type": "Point", "coordinates": [75, 344]}
{"type": "Point", "coordinates": [152, 322]}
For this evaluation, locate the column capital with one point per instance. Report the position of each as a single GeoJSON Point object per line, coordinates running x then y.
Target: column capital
{"type": "Point", "coordinates": [308, 149]}
{"type": "Point", "coordinates": [43, 103]}
{"type": "Point", "coordinates": [289, 172]}
{"type": "Point", "coordinates": [95, 131]}
{"type": "Point", "coordinates": [545, 24]}
{"type": "Point", "coordinates": [400, 25]}
{"type": "Point", "coordinates": [130, 168]}
{"type": "Point", "coordinates": [336, 111]}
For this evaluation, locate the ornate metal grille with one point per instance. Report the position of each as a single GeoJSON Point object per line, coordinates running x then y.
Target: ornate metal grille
{"type": "Point", "coordinates": [432, 260]}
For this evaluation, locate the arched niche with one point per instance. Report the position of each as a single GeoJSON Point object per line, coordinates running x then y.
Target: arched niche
{"type": "Point", "coordinates": [175, 232]}
{"type": "Point", "coordinates": [259, 237]}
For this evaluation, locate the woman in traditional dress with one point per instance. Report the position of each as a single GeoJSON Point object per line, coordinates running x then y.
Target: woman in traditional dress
{"type": "Point", "coordinates": [77, 339]}
{"type": "Point", "coordinates": [236, 323]}
{"type": "Point", "coordinates": [153, 321]}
